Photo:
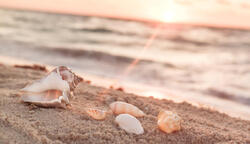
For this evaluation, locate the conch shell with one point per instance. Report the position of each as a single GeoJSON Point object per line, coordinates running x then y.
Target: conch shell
{"type": "Point", "coordinates": [169, 121]}
{"type": "Point", "coordinates": [129, 123]}
{"type": "Point", "coordinates": [119, 107]}
{"type": "Point", "coordinates": [52, 90]}
{"type": "Point", "coordinates": [96, 113]}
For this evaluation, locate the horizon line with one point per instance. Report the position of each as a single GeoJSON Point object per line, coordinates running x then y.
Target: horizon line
{"type": "Point", "coordinates": [141, 20]}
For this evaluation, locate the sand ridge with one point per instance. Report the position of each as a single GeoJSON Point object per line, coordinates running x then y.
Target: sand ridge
{"type": "Point", "coordinates": [24, 123]}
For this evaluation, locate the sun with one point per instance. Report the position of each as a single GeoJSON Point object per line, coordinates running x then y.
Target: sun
{"type": "Point", "coordinates": [169, 16]}
{"type": "Point", "coordinates": [174, 12]}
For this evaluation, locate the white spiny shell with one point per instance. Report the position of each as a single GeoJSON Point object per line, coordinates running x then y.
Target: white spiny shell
{"type": "Point", "coordinates": [119, 107]}
{"type": "Point", "coordinates": [129, 123]}
{"type": "Point", "coordinates": [51, 90]}
{"type": "Point", "coordinates": [169, 121]}
{"type": "Point", "coordinates": [96, 113]}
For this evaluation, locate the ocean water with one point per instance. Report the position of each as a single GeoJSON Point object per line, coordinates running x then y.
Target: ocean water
{"type": "Point", "coordinates": [208, 65]}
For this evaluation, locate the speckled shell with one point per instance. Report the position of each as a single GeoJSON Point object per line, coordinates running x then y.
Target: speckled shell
{"type": "Point", "coordinates": [129, 123]}
{"type": "Point", "coordinates": [168, 121]}
{"type": "Point", "coordinates": [119, 107]}
{"type": "Point", "coordinates": [53, 90]}
{"type": "Point", "coordinates": [96, 113]}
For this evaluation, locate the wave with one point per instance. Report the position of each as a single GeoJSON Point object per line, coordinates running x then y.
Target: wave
{"type": "Point", "coordinates": [100, 56]}
{"type": "Point", "coordinates": [228, 96]}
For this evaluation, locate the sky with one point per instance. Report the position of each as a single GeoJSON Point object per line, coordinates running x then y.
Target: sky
{"type": "Point", "coordinates": [228, 13]}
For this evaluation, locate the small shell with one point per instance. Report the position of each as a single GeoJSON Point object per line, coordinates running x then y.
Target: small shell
{"type": "Point", "coordinates": [119, 107]}
{"type": "Point", "coordinates": [169, 121]}
{"type": "Point", "coordinates": [129, 123]}
{"type": "Point", "coordinates": [96, 113]}
{"type": "Point", "coordinates": [53, 89]}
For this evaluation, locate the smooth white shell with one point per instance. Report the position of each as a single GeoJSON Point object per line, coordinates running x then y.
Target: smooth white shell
{"type": "Point", "coordinates": [120, 107]}
{"type": "Point", "coordinates": [129, 123]}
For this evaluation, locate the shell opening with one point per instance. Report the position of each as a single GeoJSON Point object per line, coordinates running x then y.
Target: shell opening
{"type": "Point", "coordinates": [47, 95]}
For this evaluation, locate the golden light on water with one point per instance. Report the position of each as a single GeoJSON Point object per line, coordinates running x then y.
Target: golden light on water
{"type": "Point", "coordinates": [145, 48]}
{"type": "Point", "coordinates": [132, 65]}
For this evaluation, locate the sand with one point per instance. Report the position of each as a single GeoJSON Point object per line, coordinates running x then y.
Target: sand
{"type": "Point", "coordinates": [25, 123]}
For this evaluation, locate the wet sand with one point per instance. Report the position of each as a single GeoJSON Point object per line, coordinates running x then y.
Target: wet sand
{"type": "Point", "coordinates": [24, 123]}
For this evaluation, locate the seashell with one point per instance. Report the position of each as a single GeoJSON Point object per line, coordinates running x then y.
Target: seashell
{"type": "Point", "coordinates": [129, 123]}
{"type": "Point", "coordinates": [119, 107]}
{"type": "Point", "coordinates": [169, 121]}
{"type": "Point", "coordinates": [96, 113]}
{"type": "Point", "coordinates": [53, 89]}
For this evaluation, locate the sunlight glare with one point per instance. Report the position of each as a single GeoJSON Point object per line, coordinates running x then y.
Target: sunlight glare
{"type": "Point", "coordinates": [155, 94]}
{"type": "Point", "coordinates": [169, 16]}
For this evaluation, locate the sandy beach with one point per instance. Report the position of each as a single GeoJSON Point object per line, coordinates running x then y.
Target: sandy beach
{"type": "Point", "coordinates": [25, 123]}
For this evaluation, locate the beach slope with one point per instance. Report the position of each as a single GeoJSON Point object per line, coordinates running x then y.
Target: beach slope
{"type": "Point", "coordinates": [24, 123]}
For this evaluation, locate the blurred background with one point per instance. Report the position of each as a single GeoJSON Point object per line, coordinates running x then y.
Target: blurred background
{"type": "Point", "coordinates": [184, 50]}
